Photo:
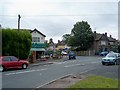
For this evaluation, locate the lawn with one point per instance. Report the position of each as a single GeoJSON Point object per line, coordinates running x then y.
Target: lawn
{"type": "Point", "coordinates": [95, 82]}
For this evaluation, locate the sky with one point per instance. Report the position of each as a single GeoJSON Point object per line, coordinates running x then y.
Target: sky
{"type": "Point", "coordinates": [54, 18]}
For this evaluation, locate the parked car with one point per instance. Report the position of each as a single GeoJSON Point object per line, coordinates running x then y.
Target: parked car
{"type": "Point", "coordinates": [10, 62]}
{"type": "Point", "coordinates": [103, 53]}
{"type": "Point", "coordinates": [111, 58]}
{"type": "Point", "coordinates": [72, 55]}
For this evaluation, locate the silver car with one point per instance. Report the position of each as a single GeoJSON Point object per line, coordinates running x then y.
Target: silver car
{"type": "Point", "coordinates": [111, 58]}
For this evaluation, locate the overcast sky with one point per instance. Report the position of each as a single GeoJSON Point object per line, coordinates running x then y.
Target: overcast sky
{"type": "Point", "coordinates": [55, 18]}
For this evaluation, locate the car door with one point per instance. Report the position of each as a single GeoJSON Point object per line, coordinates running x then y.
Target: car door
{"type": "Point", "coordinates": [6, 61]}
{"type": "Point", "coordinates": [14, 62]}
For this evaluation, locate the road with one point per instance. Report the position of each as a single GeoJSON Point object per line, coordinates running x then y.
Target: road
{"type": "Point", "coordinates": [37, 76]}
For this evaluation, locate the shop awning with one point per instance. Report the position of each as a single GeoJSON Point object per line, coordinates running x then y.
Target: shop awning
{"type": "Point", "coordinates": [37, 49]}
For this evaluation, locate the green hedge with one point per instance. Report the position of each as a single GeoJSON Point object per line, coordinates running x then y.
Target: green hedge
{"type": "Point", "coordinates": [16, 43]}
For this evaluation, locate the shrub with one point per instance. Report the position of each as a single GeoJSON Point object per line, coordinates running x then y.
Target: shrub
{"type": "Point", "coordinates": [16, 43]}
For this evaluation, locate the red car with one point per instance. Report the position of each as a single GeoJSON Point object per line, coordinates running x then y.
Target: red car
{"type": "Point", "coordinates": [10, 62]}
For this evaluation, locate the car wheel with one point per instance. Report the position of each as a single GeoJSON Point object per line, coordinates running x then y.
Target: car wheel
{"type": "Point", "coordinates": [69, 58]}
{"type": "Point", "coordinates": [2, 68]}
{"type": "Point", "coordinates": [103, 63]}
{"type": "Point", "coordinates": [115, 63]}
{"type": "Point", "coordinates": [24, 66]}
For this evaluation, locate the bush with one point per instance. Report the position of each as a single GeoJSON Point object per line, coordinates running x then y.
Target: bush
{"type": "Point", "coordinates": [16, 43]}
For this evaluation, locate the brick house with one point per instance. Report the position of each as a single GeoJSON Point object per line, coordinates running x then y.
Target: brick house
{"type": "Point", "coordinates": [103, 43]}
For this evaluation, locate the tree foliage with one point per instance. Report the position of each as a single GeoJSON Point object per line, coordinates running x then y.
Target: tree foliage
{"type": "Point", "coordinates": [16, 43]}
{"type": "Point", "coordinates": [66, 37]}
{"type": "Point", "coordinates": [81, 36]}
{"type": "Point", "coordinates": [118, 48]}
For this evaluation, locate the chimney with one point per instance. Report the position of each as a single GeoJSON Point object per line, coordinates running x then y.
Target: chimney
{"type": "Point", "coordinates": [105, 34]}
{"type": "Point", "coordinates": [94, 34]}
{"type": "Point", "coordinates": [110, 35]}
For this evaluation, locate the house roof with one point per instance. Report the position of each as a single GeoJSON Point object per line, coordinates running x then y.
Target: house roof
{"type": "Point", "coordinates": [37, 31]}
{"type": "Point", "coordinates": [99, 36]}
{"type": "Point", "coordinates": [61, 43]}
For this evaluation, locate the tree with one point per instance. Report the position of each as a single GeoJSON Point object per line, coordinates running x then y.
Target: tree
{"type": "Point", "coordinates": [118, 48]}
{"type": "Point", "coordinates": [81, 36]}
{"type": "Point", "coordinates": [66, 37]}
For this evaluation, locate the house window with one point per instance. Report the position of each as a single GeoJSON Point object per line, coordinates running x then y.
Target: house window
{"type": "Point", "coordinates": [103, 43]}
{"type": "Point", "coordinates": [111, 43]}
{"type": "Point", "coordinates": [38, 39]}
{"type": "Point", "coordinates": [34, 39]}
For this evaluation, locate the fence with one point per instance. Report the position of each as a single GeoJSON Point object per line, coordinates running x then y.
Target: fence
{"type": "Point", "coordinates": [86, 53]}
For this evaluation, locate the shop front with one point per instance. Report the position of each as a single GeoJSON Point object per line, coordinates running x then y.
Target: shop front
{"type": "Point", "coordinates": [37, 50]}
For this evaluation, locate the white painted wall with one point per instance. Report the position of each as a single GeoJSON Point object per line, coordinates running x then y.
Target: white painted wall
{"type": "Point", "coordinates": [36, 34]}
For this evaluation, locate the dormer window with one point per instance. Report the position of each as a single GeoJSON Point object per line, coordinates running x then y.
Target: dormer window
{"type": "Point", "coordinates": [103, 42]}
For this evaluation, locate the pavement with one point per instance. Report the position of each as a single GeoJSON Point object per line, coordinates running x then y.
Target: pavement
{"type": "Point", "coordinates": [49, 61]}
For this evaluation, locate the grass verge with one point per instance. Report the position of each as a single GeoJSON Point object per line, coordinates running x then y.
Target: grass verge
{"type": "Point", "coordinates": [95, 82]}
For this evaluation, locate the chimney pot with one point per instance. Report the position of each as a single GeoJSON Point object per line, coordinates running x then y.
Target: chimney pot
{"type": "Point", "coordinates": [105, 34]}
{"type": "Point", "coordinates": [110, 35]}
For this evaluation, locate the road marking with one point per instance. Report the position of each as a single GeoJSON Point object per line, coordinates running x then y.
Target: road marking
{"type": "Point", "coordinates": [95, 62]}
{"type": "Point", "coordinates": [74, 65]}
{"type": "Point", "coordinates": [28, 71]}
{"type": "Point", "coordinates": [45, 65]}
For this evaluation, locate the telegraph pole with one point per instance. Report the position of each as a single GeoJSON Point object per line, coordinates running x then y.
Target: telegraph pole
{"type": "Point", "coordinates": [18, 31]}
{"type": "Point", "coordinates": [19, 21]}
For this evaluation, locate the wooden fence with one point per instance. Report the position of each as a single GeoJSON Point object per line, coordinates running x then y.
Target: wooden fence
{"type": "Point", "coordinates": [86, 53]}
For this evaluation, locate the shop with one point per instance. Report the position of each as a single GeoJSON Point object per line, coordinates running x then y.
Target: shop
{"type": "Point", "coordinates": [38, 45]}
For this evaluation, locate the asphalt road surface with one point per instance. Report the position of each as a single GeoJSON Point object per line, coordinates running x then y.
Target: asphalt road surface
{"type": "Point", "coordinates": [37, 76]}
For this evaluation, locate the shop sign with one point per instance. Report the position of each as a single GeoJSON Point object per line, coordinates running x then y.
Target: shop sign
{"type": "Point", "coordinates": [40, 45]}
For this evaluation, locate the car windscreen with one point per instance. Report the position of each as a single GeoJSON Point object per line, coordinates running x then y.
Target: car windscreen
{"type": "Point", "coordinates": [111, 55]}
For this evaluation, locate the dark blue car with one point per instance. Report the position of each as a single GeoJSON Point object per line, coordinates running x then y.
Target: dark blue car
{"type": "Point", "coordinates": [72, 55]}
{"type": "Point", "coordinates": [103, 53]}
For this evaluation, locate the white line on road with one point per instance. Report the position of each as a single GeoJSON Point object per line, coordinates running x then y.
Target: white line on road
{"type": "Point", "coordinates": [95, 62]}
{"type": "Point", "coordinates": [75, 65]}
{"type": "Point", "coordinates": [28, 71]}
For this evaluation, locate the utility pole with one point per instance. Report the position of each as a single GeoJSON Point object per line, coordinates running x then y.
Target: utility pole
{"type": "Point", "coordinates": [18, 32]}
{"type": "Point", "coordinates": [19, 21]}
